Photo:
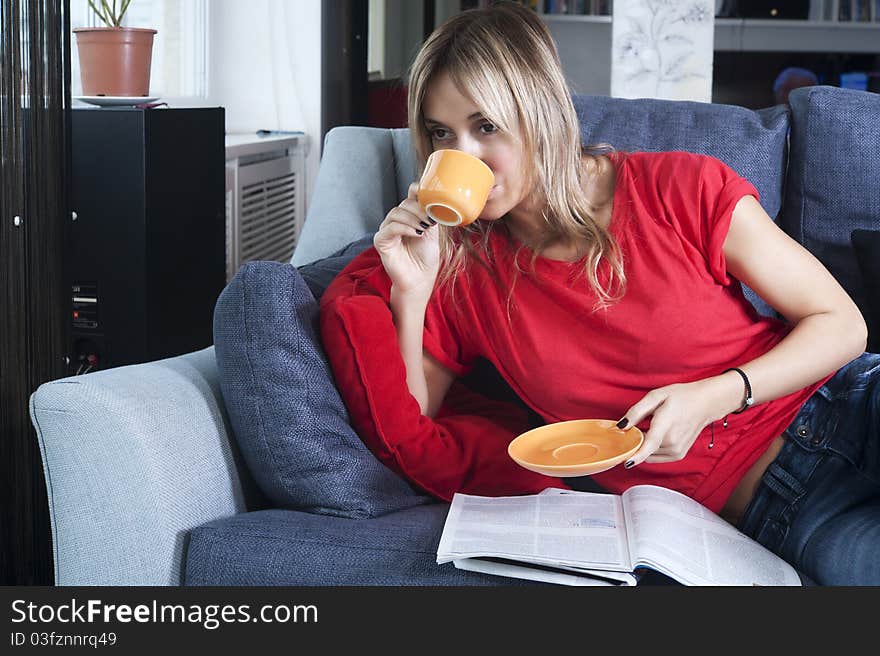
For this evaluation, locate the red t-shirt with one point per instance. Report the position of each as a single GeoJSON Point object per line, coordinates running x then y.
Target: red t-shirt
{"type": "Point", "coordinates": [683, 318]}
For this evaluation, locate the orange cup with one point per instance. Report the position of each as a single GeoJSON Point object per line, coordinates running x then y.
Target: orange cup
{"type": "Point", "coordinates": [454, 187]}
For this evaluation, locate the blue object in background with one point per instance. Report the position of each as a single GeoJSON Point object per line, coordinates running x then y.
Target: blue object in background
{"type": "Point", "coordinates": [854, 81]}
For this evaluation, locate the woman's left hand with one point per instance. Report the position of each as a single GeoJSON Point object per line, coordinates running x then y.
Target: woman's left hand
{"type": "Point", "coordinates": [678, 414]}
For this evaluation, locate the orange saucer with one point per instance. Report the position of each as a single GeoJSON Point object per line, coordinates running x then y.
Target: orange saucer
{"type": "Point", "coordinates": [575, 448]}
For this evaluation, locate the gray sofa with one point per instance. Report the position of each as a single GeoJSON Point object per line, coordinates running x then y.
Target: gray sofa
{"type": "Point", "coordinates": [146, 484]}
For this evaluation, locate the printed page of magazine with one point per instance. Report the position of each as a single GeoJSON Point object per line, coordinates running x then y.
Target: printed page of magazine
{"type": "Point", "coordinates": [675, 535]}
{"type": "Point", "coordinates": [545, 573]}
{"type": "Point", "coordinates": [584, 531]}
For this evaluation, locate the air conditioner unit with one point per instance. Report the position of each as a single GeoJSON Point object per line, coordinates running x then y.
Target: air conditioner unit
{"type": "Point", "coordinates": [265, 197]}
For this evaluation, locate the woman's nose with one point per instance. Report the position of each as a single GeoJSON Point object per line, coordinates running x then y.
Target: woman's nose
{"type": "Point", "coordinates": [470, 146]}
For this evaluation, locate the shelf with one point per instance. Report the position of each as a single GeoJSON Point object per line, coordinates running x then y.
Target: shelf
{"type": "Point", "coordinates": [757, 35]}
{"type": "Point", "coordinates": [760, 35]}
{"type": "Point", "coordinates": [574, 18]}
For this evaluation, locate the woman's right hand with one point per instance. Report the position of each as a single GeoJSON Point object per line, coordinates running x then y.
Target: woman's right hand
{"type": "Point", "coordinates": [411, 259]}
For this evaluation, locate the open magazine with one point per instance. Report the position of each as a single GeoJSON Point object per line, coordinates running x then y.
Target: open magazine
{"type": "Point", "coordinates": [584, 538]}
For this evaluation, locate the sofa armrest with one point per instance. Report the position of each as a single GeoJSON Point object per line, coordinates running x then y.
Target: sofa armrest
{"type": "Point", "coordinates": [355, 188]}
{"type": "Point", "coordinates": [134, 457]}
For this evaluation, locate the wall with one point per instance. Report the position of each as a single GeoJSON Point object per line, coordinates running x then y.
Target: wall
{"type": "Point", "coordinates": [403, 35]}
{"type": "Point", "coordinates": [585, 52]}
{"type": "Point", "coordinates": [444, 9]}
{"type": "Point", "coordinates": [265, 68]}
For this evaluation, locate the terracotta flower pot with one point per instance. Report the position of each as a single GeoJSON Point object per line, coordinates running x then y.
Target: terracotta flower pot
{"type": "Point", "coordinates": [115, 61]}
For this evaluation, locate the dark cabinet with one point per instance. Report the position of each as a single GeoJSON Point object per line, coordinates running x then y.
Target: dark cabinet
{"type": "Point", "coordinates": [146, 257]}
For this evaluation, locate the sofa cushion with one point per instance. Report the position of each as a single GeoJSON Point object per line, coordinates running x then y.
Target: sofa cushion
{"type": "Point", "coordinates": [751, 142]}
{"type": "Point", "coordinates": [287, 417]}
{"type": "Point", "coordinates": [832, 187]}
{"type": "Point", "coordinates": [866, 244]}
{"type": "Point", "coordinates": [286, 547]}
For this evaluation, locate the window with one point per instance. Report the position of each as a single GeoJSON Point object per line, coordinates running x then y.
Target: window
{"type": "Point", "coordinates": [179, 66]}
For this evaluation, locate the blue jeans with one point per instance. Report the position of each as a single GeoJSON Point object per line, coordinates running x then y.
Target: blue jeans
{"type": "Point", "coordinates": [818, 504]}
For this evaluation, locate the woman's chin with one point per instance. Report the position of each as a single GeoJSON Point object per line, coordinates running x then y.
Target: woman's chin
{"type": "Point", "coordinates": [492, 212]}
{"type": "Point", "coordinates": [489, 218]}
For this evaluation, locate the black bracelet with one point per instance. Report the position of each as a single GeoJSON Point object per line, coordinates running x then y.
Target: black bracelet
{"type": "Point", "coordinates": [748, 402]}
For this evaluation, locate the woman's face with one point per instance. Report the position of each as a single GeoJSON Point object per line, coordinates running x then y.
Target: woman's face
{"type": "Point", "coordinates": [455, 122]}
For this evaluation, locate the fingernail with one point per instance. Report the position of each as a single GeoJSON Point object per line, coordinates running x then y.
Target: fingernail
{"type": "Point", "coordinates": [433, 222]}
{"type": "Point", "coordinates": [629, 464]}
{"type": "Point", "coordinates": [419, 232]}
{"type": "Point", "coordinates": [423, 224]}
{"type": "Point", "coordinates": [623, 423]}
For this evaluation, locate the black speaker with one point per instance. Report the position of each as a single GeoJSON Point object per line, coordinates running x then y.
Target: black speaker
{"type": "Point", "coordinates": [146, 256]}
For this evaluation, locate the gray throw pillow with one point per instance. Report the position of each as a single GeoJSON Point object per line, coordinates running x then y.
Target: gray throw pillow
{"type": "Point", "coordinates": [288, 419]}
{"type": "Point", "coordinates": [320, 273]}
{"type": "Point", "coordinates": [751, 142]}
{"type": "Point", "coordinates": [832, 183]}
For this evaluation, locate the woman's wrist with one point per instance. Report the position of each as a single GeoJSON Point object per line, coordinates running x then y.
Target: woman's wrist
{"type": "Point", "coordinates": [408, 314]}
{"type": "Point", "coordinates": [730, 392]}
{"type": "Point", "coordinates": [411, 299]}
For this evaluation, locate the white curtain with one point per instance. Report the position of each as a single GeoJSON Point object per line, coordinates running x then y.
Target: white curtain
{"type": "Point", "coordinates": [266, 62]}
{"type": "Point", "coordinates": [265, 68]}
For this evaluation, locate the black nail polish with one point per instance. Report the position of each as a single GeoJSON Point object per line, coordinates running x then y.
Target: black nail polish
{"type": "Point", "coordinates": [419, 232]}
{"type": "Point", "coordinates": [629, 464]}
{"type": "Point", "coordinates": [433, 222]}
{"type": "Point", "coordinates": [423, 224]}
{"type": "Point", "coordinates": [623, 423]}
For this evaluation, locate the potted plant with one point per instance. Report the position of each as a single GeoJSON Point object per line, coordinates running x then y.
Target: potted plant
{"type": "Point", "coordinates": [114, 60]}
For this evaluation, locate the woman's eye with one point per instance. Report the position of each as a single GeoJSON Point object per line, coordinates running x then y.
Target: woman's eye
{"type": "Point", "coordinates": [488, 128]}
{"type": "Point", "coordinates": [439, 133]}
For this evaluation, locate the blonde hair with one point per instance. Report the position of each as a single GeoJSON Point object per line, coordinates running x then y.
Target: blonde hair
{"type": "Point", "coordinates": [496, 56]}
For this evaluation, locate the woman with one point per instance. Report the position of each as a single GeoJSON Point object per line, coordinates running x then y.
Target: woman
{"type": "Point", "coordinates": [606, 284]}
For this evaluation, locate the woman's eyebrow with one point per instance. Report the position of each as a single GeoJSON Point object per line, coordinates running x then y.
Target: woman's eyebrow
{"type": "Point", "coordinates": [470, 118]}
